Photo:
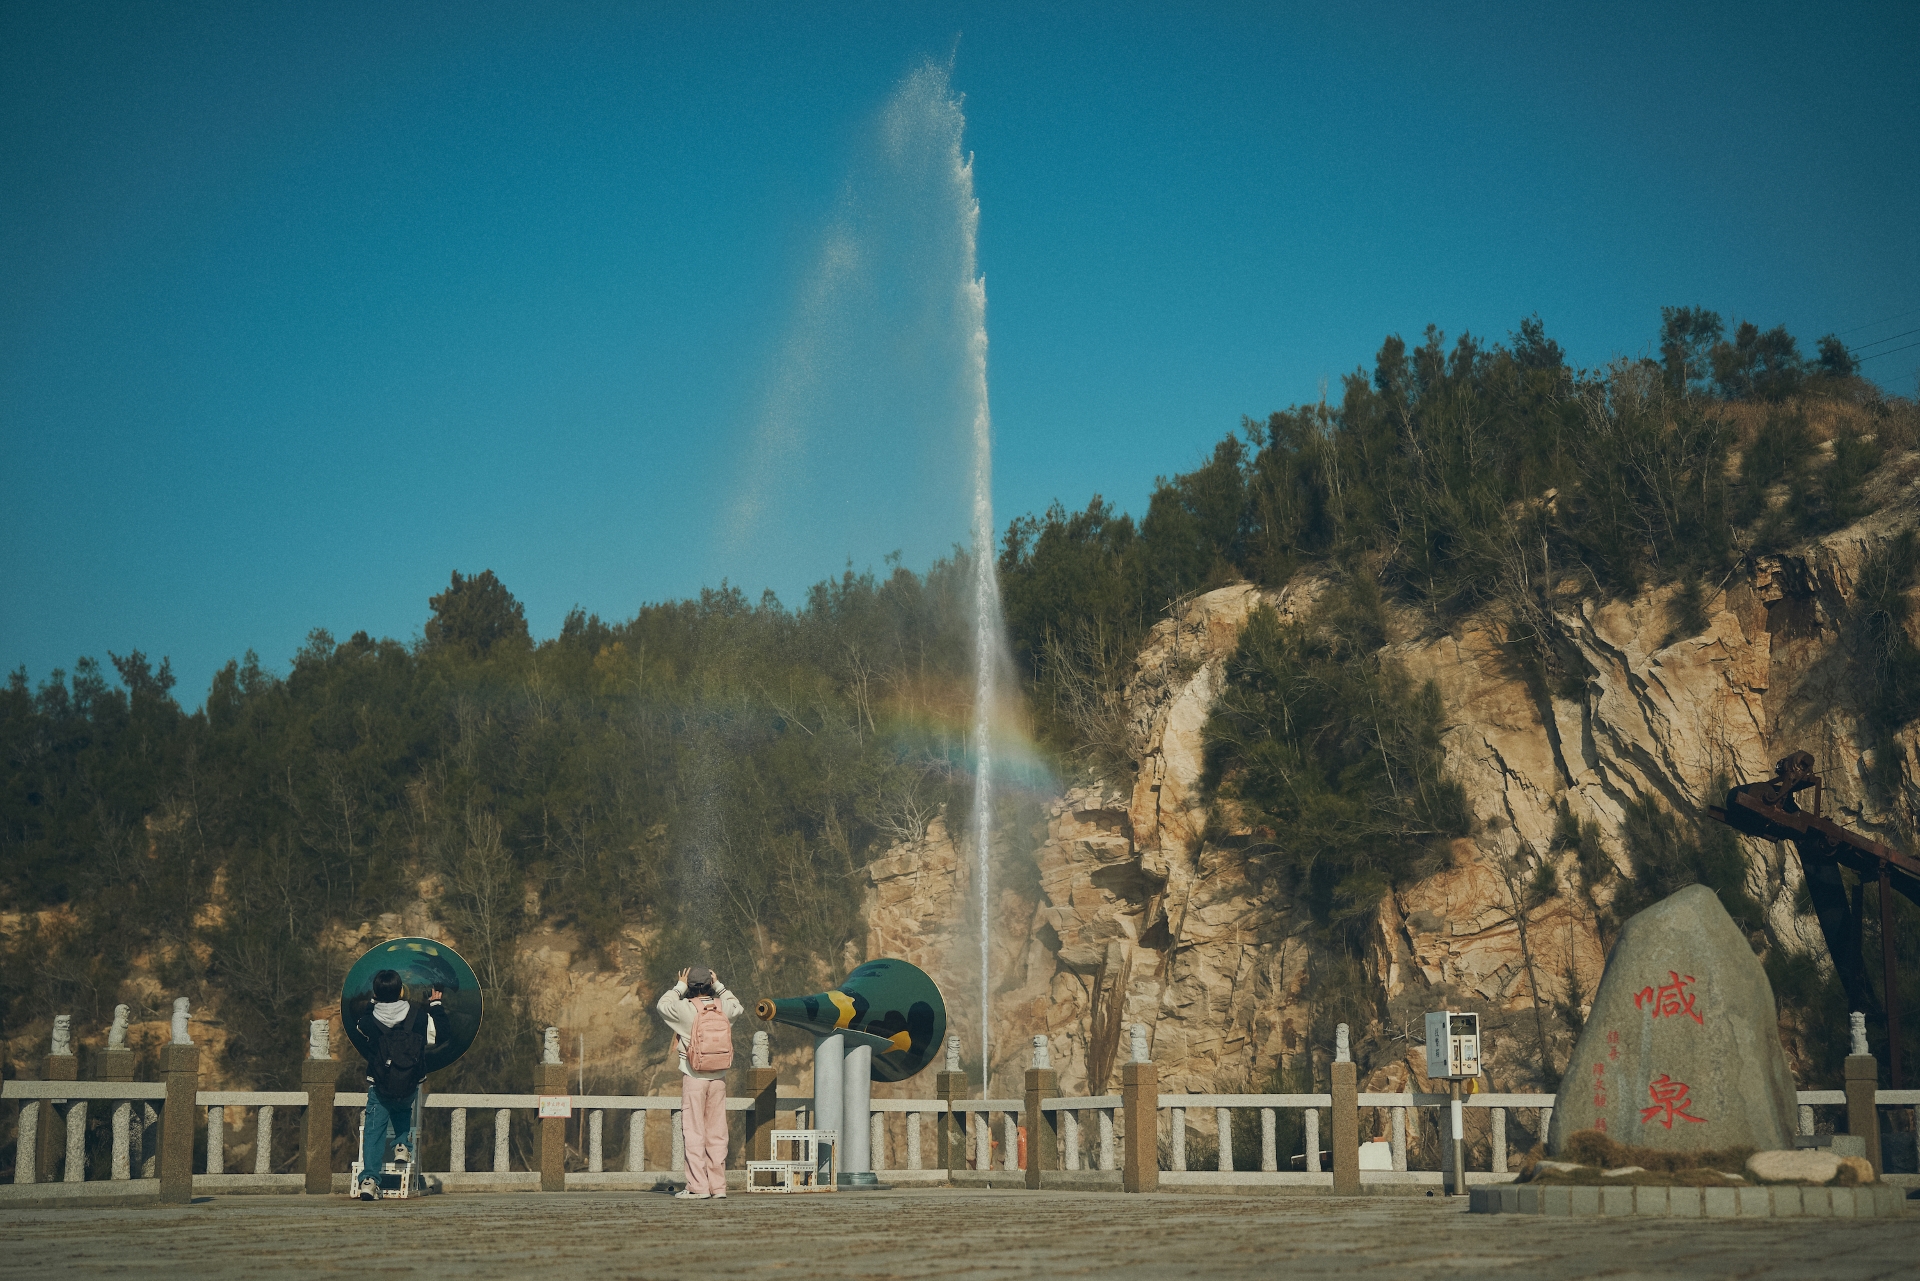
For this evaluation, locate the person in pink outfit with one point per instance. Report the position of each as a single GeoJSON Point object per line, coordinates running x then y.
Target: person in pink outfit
{"type": "Point", "coordinates": [701, 1012]}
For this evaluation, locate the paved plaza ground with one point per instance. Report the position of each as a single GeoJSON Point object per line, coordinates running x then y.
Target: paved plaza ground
{"type": "Point", "coordinates": [919, 1235]}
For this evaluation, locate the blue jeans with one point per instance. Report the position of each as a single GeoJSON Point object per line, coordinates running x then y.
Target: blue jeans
{"type": "Point", "coordinates": [382, 1113]}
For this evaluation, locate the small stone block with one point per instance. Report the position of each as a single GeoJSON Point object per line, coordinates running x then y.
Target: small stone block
{"type": "Point", "coordinates": [1651, 1202]}
{"type": "Point", "coordinates": [1477, 1202]}
{"type": "Point", "coordinates": [1786, 1202]}
{"type": "Point", "coordinates": [1816, 1203]}
{"type": "Point", "coordinates": [1527, 1200]}
{"type": "Point", "coordinates": [1685, 1203]}
{"type": "Point", "coordinates": [1843, 1202]}
{"type": "Point", "coordinates": [1507, 1199]}
{"type": "Point", "coordinates": [1888, 1200]}
{"type": "Point", "coordinates": [1557, 1202]}
{"type": "Point", "coordinates": [1585, 1201]}
{"type": "Point", "coordinates": [1720, 1203]}
{"type": "Point", "coordinates": [1616, 1202]}
{"type": "Point", "coordinates": [1755, 1203]}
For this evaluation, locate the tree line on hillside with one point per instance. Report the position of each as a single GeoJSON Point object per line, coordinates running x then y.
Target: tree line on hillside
{"type": "Point", "coordinates": [717, 771]}
{"type": "Point", "coordinates": [1471, 477]}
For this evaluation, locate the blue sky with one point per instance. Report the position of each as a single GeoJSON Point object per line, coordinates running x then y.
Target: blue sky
{"type": "Point", "coordinates": [306, 306]}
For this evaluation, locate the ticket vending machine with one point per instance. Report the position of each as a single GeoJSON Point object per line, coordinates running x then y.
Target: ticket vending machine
{"type": "Point", "coordinates": [1453, 1056]}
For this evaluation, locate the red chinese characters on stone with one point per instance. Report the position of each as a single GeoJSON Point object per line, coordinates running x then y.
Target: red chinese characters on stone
{"type": "Point", "coordinates": [1670, 1000]}
{"type": "Point", "coordinates": [1613, 1045]}
{"type": "Point", "coordinates": [1669, 1097]}
{"type": "Point", "coordinates": [1599, 1085]}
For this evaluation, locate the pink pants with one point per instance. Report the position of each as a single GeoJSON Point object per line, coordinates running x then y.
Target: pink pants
{"type": "Point", "coordinates": [703, 1122]}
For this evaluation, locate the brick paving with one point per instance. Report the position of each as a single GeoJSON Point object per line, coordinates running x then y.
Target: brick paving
{"type": "Point", "coordinates": [919, 1235]}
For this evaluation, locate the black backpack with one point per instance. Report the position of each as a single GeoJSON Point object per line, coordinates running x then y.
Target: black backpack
{"type": "Point", "coordinates": [397, 1052]}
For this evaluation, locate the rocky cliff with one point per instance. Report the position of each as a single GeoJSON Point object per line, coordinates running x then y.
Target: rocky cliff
{"type": "Point", "coordinates": [1147, 907]}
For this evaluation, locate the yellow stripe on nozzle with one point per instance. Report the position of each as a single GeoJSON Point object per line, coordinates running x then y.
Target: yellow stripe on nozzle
{"type": "Point", "coordinates": [891, 1006]}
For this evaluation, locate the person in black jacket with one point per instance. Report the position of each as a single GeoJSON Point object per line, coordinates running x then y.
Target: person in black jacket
{"type": "Point", "coordinates": [397, 1030]}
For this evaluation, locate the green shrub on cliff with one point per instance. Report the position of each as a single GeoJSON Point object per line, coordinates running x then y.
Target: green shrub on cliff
{"type": "Point", "coordinates": [1331, 757]}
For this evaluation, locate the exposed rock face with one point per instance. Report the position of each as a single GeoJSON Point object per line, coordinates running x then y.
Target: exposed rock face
{"type": "Point", "coordinates": [1682, 1050]}
{"type": "Point", "coordinates": [1142, 916]}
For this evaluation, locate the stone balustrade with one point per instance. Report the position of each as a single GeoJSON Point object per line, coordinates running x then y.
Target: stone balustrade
{"type": "Point", "coordinates": [141, 1135]}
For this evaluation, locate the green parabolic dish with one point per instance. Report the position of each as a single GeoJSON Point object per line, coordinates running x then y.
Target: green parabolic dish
{"type": "Point", "coordinates": [423, 964]}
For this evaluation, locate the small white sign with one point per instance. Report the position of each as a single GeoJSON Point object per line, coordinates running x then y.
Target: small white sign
{"type": "Point", "coordinates": [560, 1105]}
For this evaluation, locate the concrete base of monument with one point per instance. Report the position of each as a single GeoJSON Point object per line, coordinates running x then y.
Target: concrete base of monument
{"type": "Point", "coordinates": [1875, 1201]}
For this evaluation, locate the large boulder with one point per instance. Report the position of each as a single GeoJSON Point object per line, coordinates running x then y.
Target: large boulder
{"type": "Point", "coordinates": [1682, 1049]}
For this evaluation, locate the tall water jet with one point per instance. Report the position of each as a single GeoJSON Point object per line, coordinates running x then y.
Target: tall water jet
{"type": "Point", "coordinates": [883, 371]}
{"type": "Point", "coordinates": [986, 587]}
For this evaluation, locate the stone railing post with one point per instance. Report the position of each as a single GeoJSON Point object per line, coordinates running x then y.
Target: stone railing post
{"type": "Point", "coordinates": [1140, 1103]}
{"type": "Point", "coordinates": [950, 1124]}
{"type": "Point", "coordinates": [550, 1078]}
{"type": "Point", "coordinates": [763, 1086]}
{"type": "Point", "coordinates": [319, 1077]}
{"type": "Point", "coordinates": [1345, 1118]}
{"type": "Point", "coordinates": [62, 1065]}
{"type": "Point", "coordinates": [116, 1064]}
{"type": "Point", "coordinates": [1863, 1078]}
{"type": "Point", "coordinates": [1043, 1126]}
{"type": "Point", "coordinates": [180, 1069]}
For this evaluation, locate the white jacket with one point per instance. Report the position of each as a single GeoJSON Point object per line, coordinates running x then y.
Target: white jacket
{"type": "Point", "coordinates": [677, 1010]}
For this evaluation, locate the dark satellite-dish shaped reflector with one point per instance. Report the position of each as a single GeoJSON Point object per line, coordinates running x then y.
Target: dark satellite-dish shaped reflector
{"type": "Point", "coordinates": [423, 964]}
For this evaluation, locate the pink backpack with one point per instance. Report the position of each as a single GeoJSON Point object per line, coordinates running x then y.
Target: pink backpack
{"type": "Point", "coordinates": [710, 1048]}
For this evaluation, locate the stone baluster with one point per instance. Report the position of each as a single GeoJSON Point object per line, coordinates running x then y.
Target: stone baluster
{"type": "Point", "coordinates": [216, 1139]}
{"type": "Point", "coordinates": [983, 1141]}
{"type": "Point", "coordinates": [1269, 1140]}
{"type": "Point", "coordinates": [27, 1141]}
{"type": "Point", "coordinates": [123, 1139]}
{"type": "Point", "coordinates": [457, 1142]}
{"type": "Point", "coordinates": [502, 1139]}
{"type": "Point", "coordinates": [1178, 1119]}
{"type": "Point", "coordinates": [1312, 1118]}
{"type": "Point", "coordinates": [1498, 1118]}
{"type": "Point", "coordinates": [679, 1140]}
{"type": "Point", "coordinates": [1399, 1138]}
{"type": "Point", "coordinates": [877, 1141]}
{"type": "Point", "coordinates": [1546, 1122]}
{"type": "Point", "coordinates": [1070, 1139]}
{"type": "Point", "coordinates": [637, 1141]}
{"type": "Point", "coordinates": [595, 1119]}
{"type": "Point", "coordinates": [1010, 1139]}
{"type": "Point", "coordinates": [263, 1139]}
{"type": "Point", "coordinates": [1106, 1138]}
{"type": "Point", "coordinates": [146, 1143]}
{"type": "Point", "coordinates": [913, 1141]}
{"type": "Point", "coordinates": [1223, 1126]}
{"type": "Point", "coordinates": [1806, 1119]}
